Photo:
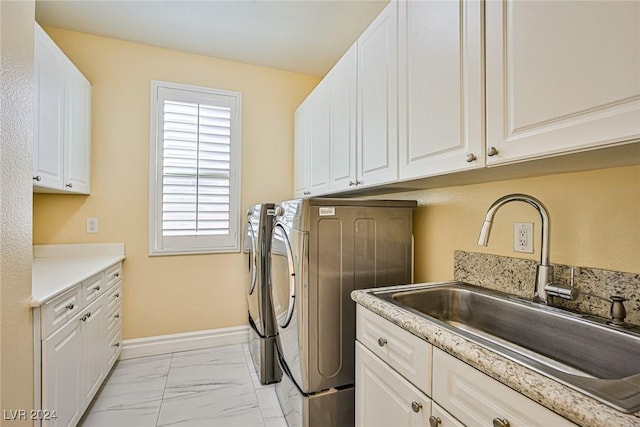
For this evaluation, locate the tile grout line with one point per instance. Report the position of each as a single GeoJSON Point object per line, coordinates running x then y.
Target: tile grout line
{"type": "Point", "coordinates": [164, 390]}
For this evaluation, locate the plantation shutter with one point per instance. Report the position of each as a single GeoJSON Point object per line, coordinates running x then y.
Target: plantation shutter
{"type": "Point", "coordinates": [196, 203]}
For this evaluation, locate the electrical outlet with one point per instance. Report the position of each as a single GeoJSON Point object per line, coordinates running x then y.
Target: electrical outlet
{"type": "Point", "coordinates": [523, 237]}
{"type": "Point", "coordinates": [92, 225]}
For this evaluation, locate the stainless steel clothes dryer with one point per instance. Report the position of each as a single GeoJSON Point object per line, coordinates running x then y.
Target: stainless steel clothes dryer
{"type": "Point", "coordinates": [262, 332]}
{"type": "Point", "coordinates": [322, 249]}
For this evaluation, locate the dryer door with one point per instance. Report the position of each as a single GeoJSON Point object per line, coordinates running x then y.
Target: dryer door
{"type": "Point", "coordinates": [283, 277]}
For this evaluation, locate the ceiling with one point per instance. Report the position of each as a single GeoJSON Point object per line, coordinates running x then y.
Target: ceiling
{"type": "Point", "coordinates": [305, 36]}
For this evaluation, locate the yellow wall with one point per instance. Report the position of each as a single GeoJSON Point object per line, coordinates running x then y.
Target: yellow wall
{"type": "Point", "coordinates": [594, 219]}
{"type": "Point", "coordinates": [170, 294]}
{"type": "Point", "coordinates": [16, 142]}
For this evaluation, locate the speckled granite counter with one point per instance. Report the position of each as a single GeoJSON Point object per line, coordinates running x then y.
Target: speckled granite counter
{"type": "Point", "coordinates": [573, 405]}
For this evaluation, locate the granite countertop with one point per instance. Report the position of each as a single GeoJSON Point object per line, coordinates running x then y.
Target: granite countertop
{"type": "Point", "coordinates": [57, 268]}
{"type": "Point", "coordinates": [571, 404]}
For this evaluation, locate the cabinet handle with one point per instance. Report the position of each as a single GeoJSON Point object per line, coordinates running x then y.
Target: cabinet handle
{"type": "Point", "coordinates": [416, 406]}
{"type": "Point", "coordinates": [500, 422]}
{"type": "Point", "coordinates": [69, 306]}
{"type": "Point", "coordinates": [382, 342]}
{"type": "Point", "coordinates": [358, 182]}
{"type": "Point", "coordinates": [117, 295]}
{"type": "Point", "coordinates": [492, 151]}
{"type": "Point", "coordinates": [306, 193]}
{"type": "Point", "coordinates": [116, 316]}
{"type": "Point", "coordinates": [85, 317]}
{"type": "Point", "coordinates": [470, 158]}
{"type": "Point", "coordinates": [434, 421]}
{"type": "Point", "coordinates": [69, 185]}
{"type": "Point", "coordinates": [37, 178]}
{"type": "Point", "coordinates": [117, 344]}
{"type": "Point", "coordinates": [116, 275]}
{"type": "Point", "coordinates": [97, 288]}
{"type": "Point", "coordinates": [351, 183]}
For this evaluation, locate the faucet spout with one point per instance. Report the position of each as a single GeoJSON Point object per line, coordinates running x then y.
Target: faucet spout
{"type": "Point", "coordinates": [544, 273]}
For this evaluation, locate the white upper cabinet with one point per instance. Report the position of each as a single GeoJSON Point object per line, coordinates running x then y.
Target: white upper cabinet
{"type": "Point", "coordinates": [377, 92]}
{"type": "Point", "coordinates": [319, 147]}
{"type": "Point", "coordinates": [440, 87]}
{"type": "Point", "coordinates": [300, 151]}
{"type": "Point", "coordinates": [62, 140]}
{"type": "Point", "coordinates": [48, 154]}
{"type": "Point", "coordinates": [342, 82]}
{"type": "Point", "coordinates": [560, 76]}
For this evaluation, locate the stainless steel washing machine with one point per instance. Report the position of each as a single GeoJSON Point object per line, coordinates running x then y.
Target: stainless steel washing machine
{"type": "Point", "coordinates": [262, 332]}
{"type": "Point", "coordinates": [322, 249]}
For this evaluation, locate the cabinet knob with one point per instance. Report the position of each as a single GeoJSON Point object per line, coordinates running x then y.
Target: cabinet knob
{"type": "Point", "coordinates": [358, 182]}
{"type": "Point", "coordinates": [382, 342]}
{"type": "Point", "coordinates": [117, 344]}
{"type": "Point", "coordinates": [351, 183]}
{"type": "Point", "coordinates": [470, 158]}
{"type": "Point", "coordinates": [117, 295]}
{"type": "Point", "coordinates": [306, 193]}
{"type": "Point", "coordinates": [37, 178]}
{"type": "Point", "coordinates": [116, 275]}
{"type": "Point", "coordinates": [69, 185]}
{"type": "Point", "coordinates": [492, 151]}
{"type": "Point", "coordinates": [97, 288]}
{"type": "Point", "coordinates": [69, 306]}
{"type": "Point", "coordinates": [434, 421]}
{"type": "Point", "coordinates": [85, 317]}
{"type": "Point", "coordinates": [500, 422]}
{"type": "Point", "coordinates": [116, 316]}
{"type": "Point", "coordinates": [416, 406]}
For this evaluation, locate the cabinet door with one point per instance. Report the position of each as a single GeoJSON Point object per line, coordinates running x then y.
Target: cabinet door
{"type": "Point", "coordinates": [77, 133]}
{"type": "Point", "coordinates": [61, 377]}
{"type": "Point", "coordinates": [342, 81]}
{"type": "Point", "coordinates": [561, 76]}
{"type": "Point", "coordinates": [300, 151]}
{"type": "Point", "coordinates": [319, 145]}
{"type": "Point", "coordinates": [378, 99]}
{"type": "Point", "coordinates": [440, 84]}
{"type": "Point", "coordinates": [49, 107]}
{"type": "Point", "coordinates": [93, 349]}
{"type": "Point", "coordinates": [477, 399]}
{"type": "Point", "coordinates": [384, 398]}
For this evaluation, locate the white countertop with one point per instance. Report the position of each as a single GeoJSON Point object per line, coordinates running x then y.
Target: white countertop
{"type": "Point", "coordinates": [56, 268]}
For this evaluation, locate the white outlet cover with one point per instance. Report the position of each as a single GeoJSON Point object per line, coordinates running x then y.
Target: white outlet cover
{"type": "Point", "coordinates": [523, 237]}
{"type": "Point", "coordinates": [92, 225]}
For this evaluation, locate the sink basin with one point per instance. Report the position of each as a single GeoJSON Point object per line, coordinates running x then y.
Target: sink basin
{"type": "Point", "coordinates": [583, 352]}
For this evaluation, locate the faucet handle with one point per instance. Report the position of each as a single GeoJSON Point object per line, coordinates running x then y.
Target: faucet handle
{"type": "Point", "coordinates": [618, 312]}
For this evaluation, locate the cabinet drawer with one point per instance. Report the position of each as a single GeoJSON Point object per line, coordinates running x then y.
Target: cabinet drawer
{"type": "Point", "coordinates": [384, 398]}
{"type": "Point", "coordinates": [58, 311]}
{"type": "Point", "coordinates": [113, 297]}
{"type": "Point", "coordinates": [114, 348]}
{"type": "Point", "coordinates": [114, 274]}
{"type": "Point", "coordinates": [92, 288]}
{"type": "Point", "coordinates": [113, 319]}
{"type": "Point", "coordinates": [404, 352]}
{"type": "Point", "coordinates": [477, 399]}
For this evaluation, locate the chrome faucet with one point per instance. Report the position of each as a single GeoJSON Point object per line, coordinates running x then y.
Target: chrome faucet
{"type": "Point", "coordinates": [544, 271]}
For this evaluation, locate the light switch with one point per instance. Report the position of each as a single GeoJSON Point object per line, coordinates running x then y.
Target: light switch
{"type": "Point", "coordinates": [92, 225]}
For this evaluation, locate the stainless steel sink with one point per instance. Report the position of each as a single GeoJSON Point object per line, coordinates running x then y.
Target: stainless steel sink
{"type": "Point", "coordinates": [583, 352]}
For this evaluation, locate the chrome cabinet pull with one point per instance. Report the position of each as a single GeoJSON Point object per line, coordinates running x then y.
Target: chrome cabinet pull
{"type": "Point", "coordinates": [69, 306]}
{"type": "Point", "coordinates": [382, 342]}
{"type": "Point", "coordinates": [500, 422]}
{"type": "Point", "coordinates": [434, 421]}
{"type": "Point", "coordinates": [492, 151]}
{"type": "Point", "coordinates": [470, 157]}
{"type": "Point", "coordinates": [416, 406]}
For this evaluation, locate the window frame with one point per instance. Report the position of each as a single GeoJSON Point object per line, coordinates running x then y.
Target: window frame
{"type": "Point", "coordinates": [188, 245]}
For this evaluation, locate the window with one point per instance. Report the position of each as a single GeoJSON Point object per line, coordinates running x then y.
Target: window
{"type": "Point", "coordinates": [194, 170]}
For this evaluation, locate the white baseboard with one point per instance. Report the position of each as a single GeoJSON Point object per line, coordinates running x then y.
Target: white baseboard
{"type": "Point", "coordinates": [163, 344]}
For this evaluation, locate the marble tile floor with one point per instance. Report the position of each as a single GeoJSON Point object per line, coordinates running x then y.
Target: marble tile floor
{"type": "Point", "coordinates": [215, 387]}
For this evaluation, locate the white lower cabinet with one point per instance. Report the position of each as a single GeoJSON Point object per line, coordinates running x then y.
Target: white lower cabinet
{"type": "Point", "coordinates": [77, 354]}
{"type": "Point", "coordinates": [384, 398]}
{"type": "Point", "coordinates": [477, 399]}
{"type": "Point", "coordinates": [389, 392]}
